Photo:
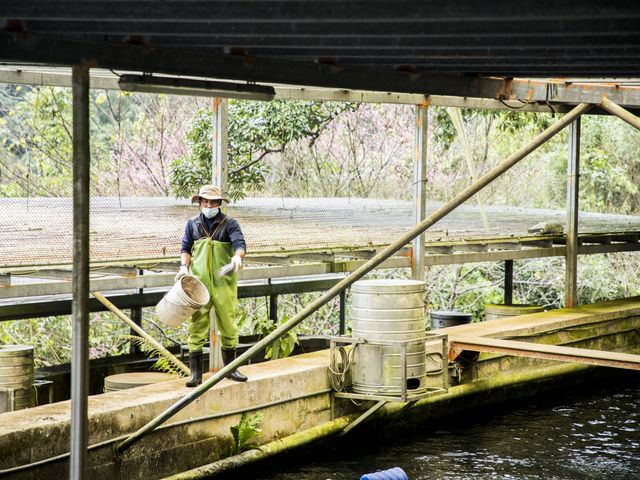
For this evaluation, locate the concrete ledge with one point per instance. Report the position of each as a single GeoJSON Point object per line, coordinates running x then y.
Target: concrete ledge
{"type": "Point", "coordinates": [297, 387]}
{"type": "Point", "coordinates": [293, 394]}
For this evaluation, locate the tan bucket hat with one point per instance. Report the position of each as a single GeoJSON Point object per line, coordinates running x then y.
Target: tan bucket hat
{"type": "Point", "coordinates": [210, 192]}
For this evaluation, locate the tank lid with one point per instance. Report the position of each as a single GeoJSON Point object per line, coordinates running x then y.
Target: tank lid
{"type": "Point", "coordinates": [449, 314]}
{"type": "Point", "coordinates": [136, 379]}
{"type": "Point", "coordinates": [499, 308]}
{"type": "Point", "coordinates": [388, 286]}
{"type": "Point", "coordinates": [15, 350]}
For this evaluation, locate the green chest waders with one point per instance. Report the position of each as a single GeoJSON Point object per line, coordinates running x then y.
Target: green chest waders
{"type": "Point", "coordinates": [207, 257]}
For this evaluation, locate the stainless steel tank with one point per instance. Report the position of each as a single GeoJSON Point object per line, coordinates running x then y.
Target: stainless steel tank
{"type": "Point", "coordinates": [16, 377]}
{"type": "Point", "coordinates": [388, 311]}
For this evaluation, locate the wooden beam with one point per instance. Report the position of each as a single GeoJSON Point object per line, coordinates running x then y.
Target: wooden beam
{"type": "Point", "coordinates": [547, 352]}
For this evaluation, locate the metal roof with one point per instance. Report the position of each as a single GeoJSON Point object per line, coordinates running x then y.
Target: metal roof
{"type": "Point", "coordinates": [445, 47]}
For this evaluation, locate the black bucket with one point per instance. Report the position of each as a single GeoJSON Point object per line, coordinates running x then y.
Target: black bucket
{"type": "Point", "coordinates": [444, 319]}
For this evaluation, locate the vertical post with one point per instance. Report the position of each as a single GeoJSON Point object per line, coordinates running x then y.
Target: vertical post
{"type": "Point", "coordinates": [573, 189]}
{"type": "Point", "coordinates": [419, 183]}
{"type": "Point", "coordinates": [80, 279]}
{"type": "Point", "coordinates": [220, 151]}
{"type": "Point", "coordinates": [273, 308]}
{"type": "Point", "coordinates": [343, 307]}
{"type": "Point", "coordinates": [219, 172]}
{"type": "Point", "coordinates": [508, 282]}
{"type": "Point", "coordinates": [136, 316]}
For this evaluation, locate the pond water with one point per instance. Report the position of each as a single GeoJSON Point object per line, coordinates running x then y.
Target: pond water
{"type": "Point", "coordinates": [583, 436]}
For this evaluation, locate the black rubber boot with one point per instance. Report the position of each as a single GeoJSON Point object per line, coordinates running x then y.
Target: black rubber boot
{"type": "Point", "coordinates": [229, 356]}
{"type": "Point", "coordinates": [195, 364]}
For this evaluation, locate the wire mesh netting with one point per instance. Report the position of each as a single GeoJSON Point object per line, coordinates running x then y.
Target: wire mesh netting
{"type": "Point", "coordinates": [348, 185]}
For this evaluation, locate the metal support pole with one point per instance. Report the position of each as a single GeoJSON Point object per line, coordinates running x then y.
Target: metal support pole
{"type": "Point", "coordinates": [273, 308]}
{"type": "Point", "coordinates": [136, 317]}
{"type": "Point", "coordinates": [508, 282]}
{"type": "Point", "coordinates": [357, 274]}
{"type": "Point", "coordinates": [343, 308]}
{"type": "Point", "coordinates": [80, 278]}
{"type": "Point", "coordinates": [220, 152]}
{"type": "Point", "coordinates": [419, 188]}
{"type": "Point", "coordinates": [573, 188]}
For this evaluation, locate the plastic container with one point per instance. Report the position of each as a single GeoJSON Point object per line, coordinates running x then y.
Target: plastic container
{"type": "Point", "coordinates": [186, 297]}
{"type": "Point", "coordinates": [395, 473]}
{"type": "Point", "coordinates": [444, 319]}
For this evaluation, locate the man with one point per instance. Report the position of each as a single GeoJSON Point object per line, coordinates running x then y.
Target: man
{"type": "Point", "coordinates": [212, 240]}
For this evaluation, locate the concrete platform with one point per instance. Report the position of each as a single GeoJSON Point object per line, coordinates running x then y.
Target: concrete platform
{"type": "Point", "coordinates": [294, 396]}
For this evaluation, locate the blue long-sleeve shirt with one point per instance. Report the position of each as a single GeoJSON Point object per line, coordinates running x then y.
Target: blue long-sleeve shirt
{"type": "Point", "coordinates": [200, 226]}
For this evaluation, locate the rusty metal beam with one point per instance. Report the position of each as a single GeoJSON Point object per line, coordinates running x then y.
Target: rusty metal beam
{"type": "Point", "coordinates": [546, 352]}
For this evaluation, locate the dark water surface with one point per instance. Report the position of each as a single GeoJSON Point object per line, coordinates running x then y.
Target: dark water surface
{"type": "Point", "coordinates": [582, 436]}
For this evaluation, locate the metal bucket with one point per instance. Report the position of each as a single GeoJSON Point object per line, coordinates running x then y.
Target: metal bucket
{"type": "Point", "coordinates": [186, 297]}
{"type": "Point", "coordinates": [494, 311]}
{"type": "Point", "coordinates": [124, 381]}
{"type": "Point", "coordinates": [16, 376]}
{"type": "Point", "coordinates": [388, 311]}
{"type": "Point", "coordinates": [444, 319]}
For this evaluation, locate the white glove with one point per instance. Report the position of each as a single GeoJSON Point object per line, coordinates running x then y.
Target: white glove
{"type": "Point", "coordinates": [236, 261]}
{"type": "Point", "coordinates": [183, 272]}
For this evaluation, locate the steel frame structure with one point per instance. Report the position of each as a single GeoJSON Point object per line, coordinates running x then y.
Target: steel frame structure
{"type": "Point", "coordinates": [179, 41]}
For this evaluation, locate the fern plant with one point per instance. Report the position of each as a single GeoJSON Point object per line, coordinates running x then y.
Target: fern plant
{"type": "Point", "coordinates": [248, 428]}
{"type": "Point", "coordinates": [163, 364]}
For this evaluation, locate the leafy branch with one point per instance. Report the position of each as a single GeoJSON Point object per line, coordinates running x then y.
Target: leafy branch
{"type": "Point", "coordinates": [163, 364]}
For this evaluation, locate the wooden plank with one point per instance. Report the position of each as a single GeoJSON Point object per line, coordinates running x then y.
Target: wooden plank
{"type": "Point", "coordinates": [156, 280]}
{"type": "Point", "coordinates": [493, 256]}
{"type": "Point", "coordinates": [539, 323]}
{"type": "Point", "coordinates": [541, 243]}
{"type": "Point", "coordinates": [548, 352]}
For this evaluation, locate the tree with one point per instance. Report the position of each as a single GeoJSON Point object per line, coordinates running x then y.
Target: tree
{"type": "Point", "coordinates": [256, 130]}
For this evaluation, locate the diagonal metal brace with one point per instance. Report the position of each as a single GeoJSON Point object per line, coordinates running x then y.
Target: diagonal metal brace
{"type": "Point", "coordinates": [363, 417]}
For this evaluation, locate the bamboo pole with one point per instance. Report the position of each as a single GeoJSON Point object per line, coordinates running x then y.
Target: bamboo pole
{"type": "Point", "coordinates": [357, 274]}
{"type": "Point", "coordinates": [620, 112]}
{"type": "Point", "coordinates": [138, 329]}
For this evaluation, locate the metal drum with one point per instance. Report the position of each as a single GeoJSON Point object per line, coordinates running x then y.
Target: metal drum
{"type": "Point", "coordinates": [386, 311]}
{"type": "Point", "coordinates": [493, 311]}
{"type": "Point", "coordinates": [16, 376]}
{"type": "Point", "coordinates": [444, 319]}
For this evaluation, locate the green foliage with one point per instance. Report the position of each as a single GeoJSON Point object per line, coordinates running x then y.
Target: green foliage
{"type": "Point", "coordinates": [256, 129]}
{"type": "Point", "coordinates": [164, 363]}
{"type": "Point", "coordinates": [608, 173]}
{"type": "Point", "coordinates": [510, 121]}
{"type": "Point", "coordinates": [248, 428]}
{"type": "Point", "coordinates": [283, 346]}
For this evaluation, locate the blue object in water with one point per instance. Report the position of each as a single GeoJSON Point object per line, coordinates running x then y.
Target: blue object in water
{"type": "Point", "coordinates": [395, 473]}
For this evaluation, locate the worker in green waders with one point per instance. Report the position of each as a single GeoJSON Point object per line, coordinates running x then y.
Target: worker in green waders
{"type": "Point", "coordinates": [212, 240]}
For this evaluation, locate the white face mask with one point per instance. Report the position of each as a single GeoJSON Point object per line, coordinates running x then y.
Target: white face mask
{"type": "Point", "coordinates": [210, 212]}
